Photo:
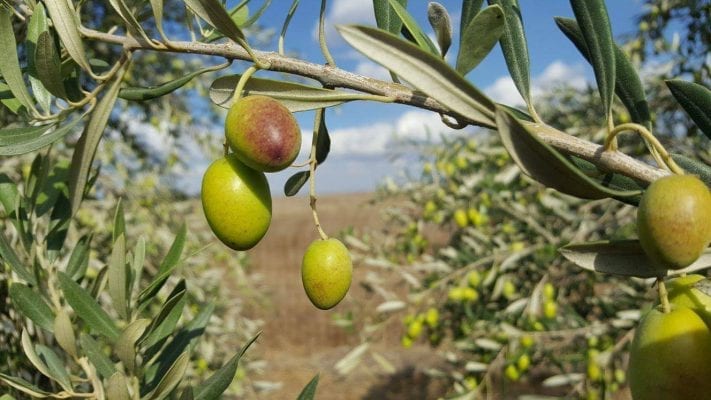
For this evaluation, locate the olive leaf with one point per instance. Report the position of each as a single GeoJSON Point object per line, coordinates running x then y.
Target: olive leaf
{"type": "Point", "coordinates": [385, 16]}
{"type": "Point", "coordinates": [30, 304]}
{"type": "Point", "coordinates": [470, 8]}
{"type": "Point", "coordinates": [64, 20]}
{"type": "Point", "coordinates": [149, 93]}
{"type": "Point", "coordinates": [411, 27]}
{"type": "Point", "coordinates": [309, 390]}
{"type": "Point", "coordinates": [216, 384]}
{"type": "Point", "coordinates": [9, 63]}
{"type": "Point", "coordinates": [441, 23]}
{"type": "Point", "coordinates": [48, 64]}
{"type": "Point", "coordinates": [479, 37]}
{"type": "Point", "coordinates": [696, 101]}
{"type": "Point", "coordinates": [295, 183]}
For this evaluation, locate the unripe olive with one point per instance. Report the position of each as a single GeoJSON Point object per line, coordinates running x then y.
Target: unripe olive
{"type": "Point", "coordinates": [326, 272]}
{"type": "Point", "coordinates": [263, 133]}
{"type": "Point", "coordinates": [237, 202]}
{"type": "Point", "coordinates": [670, 357]}
{"type": "Point", "coordinates": [674, 221]}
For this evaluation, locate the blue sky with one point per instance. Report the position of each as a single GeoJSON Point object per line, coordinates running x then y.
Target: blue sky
{"type": "Point", "coordinates": [363, 132]}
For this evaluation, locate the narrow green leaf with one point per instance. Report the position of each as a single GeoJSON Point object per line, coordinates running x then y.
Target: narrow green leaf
{"type": "Point", "coordinates": [119, 222]}
{"type": "Point", "coordinates": [187, 394]}
{"type": "Point", "coordinates": [309, 390]}
{"type": "Point", "coordinates": [32, 305]}
{"type": "Point", "coordinates": [514, 47]}
{"type": "Point", "coordinates": [127, 16]}
{"type": "Point", "coordinates": [29, 349]}
{"type": "Point", "coordinates": [295, 183]}
{"type": "Point", "coordinates": [166, 267]}
{"type": "Point", "coordinates": [139, 255]}
{"type": "Point", "coordinates": [117, 387]}
{"type": "Point", "coordinates": [285, 26]}
{"type": "Point", "coordinates": [546, 165]}
{"type": "Point", "coordinates": [696, 101]}
{"type": "Point", "coordinates": [323, 139]}
{"type": "Point", "coordinates": [9, 63]}
{"type": "Point", "coordinates": [594, 23]}
{"type": "Point", "coordinates": [24, 386]}
{"type": "Point", "coordinates": [157, 7]}
{"type": "Point", "coordinates": [55, 366]}
{"type": "Point", "coordinates": [413, 28]}
{"type": "Point", "coordinates": [470, 8]}
{"type": "Point", "coordinates": [8, 100]}
{"type": "Point", "coordinates": [86, 146]}
{"type": "Point", "coordinates": [92, 350]}
{"type": "Point", "coordinates": [49, 66]}
{"type": "Point", "coordinates": [623, 257]}
{"type": "Point", "coordinates": [479, 37]}
{"type": "Point", "coordinates": [426, 72]}
{"type": "Point", "coordinates": [295, 96]}
{"type": "Point", "coordinates": [58, 226]}
{"type": "Point", "coordinates": [37, 25]}
{"type": "Point", "coordinates": [215, 14]}
{"type": "Point", "coordinates": [64, 18]}
{"type": "Point", "coordinates": [149, 93]}
{"type": "Point", "coordinates": [694, 167]}
{"type": "Point", "coordinates": [172, 378]}
{"type": "Point", "coordinates": [118, 277]}
{"type": "Point", "coordinates": [216, 384]}
{"type": "Point", "coordinates": [441, 23]}
{"type": "Point", "coordinates": [251, 20]}
{"type": "Point", "coordinates": [79, 259]}
{"type": "Point", "coordinates": [39, 142]}
{"type": "Point", "coordinates": [64, 333]}
{"type": "Point", "coordinates": [11, 136]}
{"type": "Point", "coordinates": [10, 257]}
{"type": "Point", "coordinates": [125, 347]}
{"type": "Point", "coordinates": [87, 308]}
{"type": "Point", "coordinates": [240, 15]}
{"type": "Point", "coordinates": [628, 85]}
{"type": "Point", "coordinates": [385, 16]}
{"type": "Point", "coordinates": [168, 316]}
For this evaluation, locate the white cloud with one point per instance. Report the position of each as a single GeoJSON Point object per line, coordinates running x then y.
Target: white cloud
{"type": "Point", "coordinates": [345, 12]}
{"type": "Point", "coordinates": [557, 73]}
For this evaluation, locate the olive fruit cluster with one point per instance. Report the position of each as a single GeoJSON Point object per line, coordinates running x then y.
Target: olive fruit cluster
{"type": "Point", "coordinates": [670, 355]}
{"type": "Point", "coordinates": [263, 136]}
{"type": "Point", "coordinates": [674, 221]}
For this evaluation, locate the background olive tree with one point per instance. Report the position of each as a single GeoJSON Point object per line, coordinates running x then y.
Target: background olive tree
{"type": "Point", "coordinates": [117, 320]}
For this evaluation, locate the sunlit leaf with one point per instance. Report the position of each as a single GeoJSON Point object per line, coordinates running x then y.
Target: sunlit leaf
{"type": "Point", "coordinates": [24, 386]}
{"type": "Point", "coordinates": [594, 24]}
{"type": "Point", "coordinates": [479, 37]}
{"type": "Point", "coordinates": [172, 378]}
{"type": "Point", "coordinates": [168, 316]}
{"type": "Point", "coordinates": [79, 259]}
{"type": "Point", "coordinates": [64, 18]}
{"type": "Point", "coordinates": [9, 63]}
{"type": "Point", "coordinates": [426, 72]}
{"type": "Point", "coordinates": [623, 257]}
{"type": "Point", "coordinates": [294, 96]}
{"type": "Point", "coordinates": [385, 16]}
{"type": "Point", "coordinates": [93, 351]}
{"type": "Point", "coordinates": [37, 25]}
{"type": "Point", "coordinates": [470, 8]}
{"type": "Point", "coordinates": [694, 167]}
{"type": "Point", "coordinates": [118, 277]}
{"type": "Point", "coordinates": [441, 24]}
{"type": "Point", "coordinates": [117, 387]}
{"type": "Point", "coordinates": [166, 267]}
{"type": "Point", "coordinates": [8, 255]}
{"type": "Point", "coordinates": [514, 47]}
{"type": "Point", "coordinates": [64, 333]}
{"type": "Point", "coordinates": [127, 16]}
{"type": "Point", "coordinates": [546, 165]}
{"type": "Point", "coordinates": [87, 308]}
{"type": "Point", "coordinates": [31, 304]}
{"type": "Point", "coordinates": [85, 148]}
{"type": "Point", "coordinates": [215, 14]}
{"type": "Point", "coordinates": [696, 101]}
{"type": "Point", "coordinates": [413, 28]}
{"type": "Point", "coordinates": [125, 347]}
{"type": "Point", "coordinates": [32, 143]}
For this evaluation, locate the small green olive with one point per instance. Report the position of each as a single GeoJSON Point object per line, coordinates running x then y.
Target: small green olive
{"type": "Point", "coordinates": [326, 272]}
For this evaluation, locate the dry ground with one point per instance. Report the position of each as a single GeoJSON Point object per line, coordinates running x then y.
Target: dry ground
{"type": "Point", "coordinates": [298, 340]}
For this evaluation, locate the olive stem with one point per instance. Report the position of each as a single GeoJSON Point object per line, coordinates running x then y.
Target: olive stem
{"type": "Point", "coordinates": [662, 157]}
{"type": "Point", "coordinates": [322, 36]}
{"type": "Point", "coordinates": [243, 82]}
{"type": "Point", "coordinates": [312, 173]}
{"type": "Point", "coordinates": [663, 295]}
{"type": "Point", "coordinates": [610, 142]}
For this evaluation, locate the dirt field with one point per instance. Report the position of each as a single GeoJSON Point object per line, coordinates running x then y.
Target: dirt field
{"type": "Point", "coordinates": [299, 341]}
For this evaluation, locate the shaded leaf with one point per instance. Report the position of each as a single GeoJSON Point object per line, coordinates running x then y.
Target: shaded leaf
{"type": "Point", "coordinates": [37, 25]}
{"type": "Point", "coordinates": [7, 253]}
{"type": "Point", "coordinates": [623, 257]}
{"type": "Point", "coordinates": [39, 142]}
{"type": "Point", "coordinates": [479, 37]}
{"type": "Point", "coordinates": [86, 146]}
{"type": "Point", "coordinates": [125, 347]}
{"type": "Point", "coordinates": [514, 47]}
{"type": "Point", "coordinates": [323, 140]}
{"type": "Point", "coordinates": [29, 349]}
{"type": "Point", "coordinates": [251, 20]}
{"type": "Point", "coordinates": [295, 183]}
{"type": "Point", "coordinates": [119, 222]}
{"type": "Point", "coordinates": [546, 165]}
{"type": "Point", "coordinates": [24, 386]}
{"type": "Point", "coordinates": [413, 28]}
{"type": "Point", "coordinates": [157, 7]}
{"type": "Point", "coordinates": [49, 66]}
{"type": "Point", "coordinates": [218, 382]}
{"type": "Point", "coordinates": [32, 305]}
{"type": "Point", "coordinates": [92, 350]}
{"type": "Point", "coordinates": [118, 277]}
{"type": "Point", "coordinates": [166, 267]}
{"type": "Point", "coordinates": [594, 24]}
{"type": "Point", "coordinates": [127, 16]}
{"type": "Point", "coordinates": [168, 316]}
{"type": "Point", "coordinates": [58, 226]}
{"type": "Point", "coordinates": [694, 167]}
{"type": "Point", "coordinates": [426, 72]}
{"type": "Point", "coordinates": [87, 308]}
{"type": "Point", "coordinates": [309, 390]}
{"type": "Point", "coordinates": [55, 366]}
{"type": "Point", "coordinates": [628, 85]}
{"type": "Point", "coordinates": [295, 96]}
{"type": "Point", "coordinates": [64, 18]}
{"type": "Point", "coordinates": [9, 63]}
{"type": "Point", "coordinates": [11, 136]}
{"type": "Point", "coordinates": [117, 387]}
{"type": "Point", "coordinates": [172, 378]}
{"type": "Point", "coordinates": [79, 259]}
{"type": "Point", "coordinates": [696, 101]}
{"type": "Point", "coordinates": [441, 24]}
{"type": "Point", "coordinates": [149, 93]}
{"type": "Point", "coordinates": [215, 14]}
{"type": "Point", "coordinates": [64, 333]}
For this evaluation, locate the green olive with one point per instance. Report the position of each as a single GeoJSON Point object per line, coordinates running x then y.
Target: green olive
{"type": "Point", "coordinates": [326, 272]}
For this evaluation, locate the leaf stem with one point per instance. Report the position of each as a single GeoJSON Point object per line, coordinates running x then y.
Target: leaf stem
{"type": "Point", "coordinates": [661, 156]}
{"type": "Point", "coordinates": [312, 174]}
{"type": "Point", "coordinates": [322, 35]}
{"type": "Point", "coordinates": [243, 82]}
